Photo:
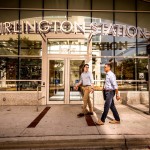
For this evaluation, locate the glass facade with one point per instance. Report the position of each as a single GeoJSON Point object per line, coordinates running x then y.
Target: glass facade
{"type": "Point", "coordinates": [21, 54]}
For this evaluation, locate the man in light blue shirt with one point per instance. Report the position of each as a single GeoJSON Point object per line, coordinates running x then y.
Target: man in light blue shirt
{"type": "Point", "coordinates": [110, 88]}
{"type": "Point", "coordinates": [87, 82]}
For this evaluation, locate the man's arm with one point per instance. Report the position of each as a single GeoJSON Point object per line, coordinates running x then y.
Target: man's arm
{"type": "Point", "coordinates": [115, 85]}
{"type": "Point", "coordinates": [92, 82]}
{"type": "Point", "coordinates": [78, 84]}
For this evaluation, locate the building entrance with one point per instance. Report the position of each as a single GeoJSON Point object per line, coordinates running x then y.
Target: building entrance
{"type": "Point", "coordinates": [62, 69]}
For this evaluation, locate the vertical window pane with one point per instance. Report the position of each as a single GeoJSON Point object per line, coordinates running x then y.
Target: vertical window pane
{"type": "Point", "coordinates": [56, 4]}
{"type": "Point", "coordinates": [55, 16]}
{"type": "Point", "coordinates": [79, 4]}
{"type": "Point", "coordinates": [125, 68]}
{"type": "Point", "coordinates": [125, 4]}
{"type": "Point", "coordinates": [81, 18]}
{"type": "Point", "coordinates": [143, 22]}
{"type": "Point", "coordinates": [30, 69]}
{"type": "Point", "coordinates": [101, 44]}
{"type": "Point", "coordinates": [31, 4]}
{"type": "Point", "coordinates": [8, 68]}
{"type": "Point", "coordinates": [30, 44]}
{"type": "Point", "coordinates": [102, 4]}
{"type": "Point", "coordinates": [31, 16]}
{"type": "Point", "coordinates": [9, 42]}
{"type": "Point", "coordinates": [9, 4]}
{"type": "Point", "coordinates": [143, 5]}
{"type": "Point", "coordinates": [125, 46]}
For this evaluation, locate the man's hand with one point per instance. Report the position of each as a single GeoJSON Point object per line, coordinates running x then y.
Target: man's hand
{"type": "Point", "coordinates": [92, 90]}
{"type": "Point", "coordinates": [117, 97]}
{"type": "Point", "coordinates": [76, 88]}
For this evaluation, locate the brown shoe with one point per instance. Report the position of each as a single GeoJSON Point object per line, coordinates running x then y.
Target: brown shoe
{"type": "Point", "coordinates": [114, 122]}
{"type": "Point", "coordinates": [80, 115]}
{"type": "Point", "coordinates": [89, 113]}
{"type": "Point", "coordinates": [99, 123]}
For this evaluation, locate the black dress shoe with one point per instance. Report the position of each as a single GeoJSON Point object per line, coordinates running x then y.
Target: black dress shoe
{"type": "Point", "coordinates": [89, 113]}
{"type": "Point", "coordinates": [80, 115]}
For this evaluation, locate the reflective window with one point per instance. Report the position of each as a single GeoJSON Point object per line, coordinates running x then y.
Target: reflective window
{"type": "Point", "coordinates": [102, 4]}
{"type": "Point", "coordinates": [30, 44]}
{"type": "Point", "coordinates": [31, 4]}
{"type": "Point", "coordinates": [19, 85]}
{"type": "Point", "coordinates": [8, 68]}
{"type": "Point", "coordinates": [30, 69]}
{"type": "Point", "coordinates": [52, 16]}
{"type": "Point", "coordinates": [125, 68]}
{"type": "Point", "coordinates": [9, 16]}
{"type": "Point", "coordinates": [8, 42]}
{"type": "Point", "coordinates": [143, 5]}
{"type": "Point", "coordinates": [9, 3]}
{"type": "Point", "coordinates": [9, 45]}
{"type": "Point", "coordinates": [131, 74]}
{"type": "Point", "coordinates": [143, 22]}
{"type": "Point", "coordinates": [80, 17]}
{"type": "Point", "coordinates": [79, 4]}
{"type": "Point", "coordinates": [31, 16]}
{"type": "Point", "coordinates": [56, 4]}
{"type": "Point", "coordinates": [125, 5]}
{"type": "Point", "coordinates": [125, 46]}
{"type": "Point", "coordinates": [67, 46]}
{"type": "Point", "coordinates": [102, 44]}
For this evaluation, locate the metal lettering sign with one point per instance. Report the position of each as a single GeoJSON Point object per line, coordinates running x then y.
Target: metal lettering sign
{"type": "Point", "coordinates": [67, 27]}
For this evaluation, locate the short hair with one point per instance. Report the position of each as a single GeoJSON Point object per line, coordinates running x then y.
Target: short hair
{"type": "Point", "coordinates": [86, 65]}
{"type": "Point", "coordinates": [109, 64]}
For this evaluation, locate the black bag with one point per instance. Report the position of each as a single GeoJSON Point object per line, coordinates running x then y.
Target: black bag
{"type": "Point", "coordinates": [104, 94]}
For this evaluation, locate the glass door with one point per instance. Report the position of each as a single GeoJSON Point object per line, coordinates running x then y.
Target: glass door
{"type": "Point", "coordinates": [76, 68]}
{"type": "Point", "coordinates": [63, 74]}
{"type": "Point", "coordinates": [56, 86]}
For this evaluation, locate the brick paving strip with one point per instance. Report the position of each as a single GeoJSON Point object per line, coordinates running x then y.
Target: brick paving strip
{"type": "Point", "coordinates": [89, 120]}
{"type": "Point", "coordinates": [38, 118]}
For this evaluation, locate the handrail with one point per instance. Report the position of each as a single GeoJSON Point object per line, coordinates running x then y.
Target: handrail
{"type": "Point", "coordinates": [38, 96]}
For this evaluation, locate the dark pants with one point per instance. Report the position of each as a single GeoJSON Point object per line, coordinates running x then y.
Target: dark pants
{"type": "Point", "coordinates": [109, 103]}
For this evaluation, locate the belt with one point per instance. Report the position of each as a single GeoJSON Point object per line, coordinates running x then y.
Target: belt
{"type": "Point", "coordinates": [86, 85]}
{"type": "Point", "coordinates": [108, 90]}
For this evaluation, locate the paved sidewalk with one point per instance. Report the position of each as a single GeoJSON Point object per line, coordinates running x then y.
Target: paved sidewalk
{"type": "Point", "coordinates": [61, 129]}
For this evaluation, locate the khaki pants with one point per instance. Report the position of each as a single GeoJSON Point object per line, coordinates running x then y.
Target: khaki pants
{"type": "Point", "coordinates": [86, 99]}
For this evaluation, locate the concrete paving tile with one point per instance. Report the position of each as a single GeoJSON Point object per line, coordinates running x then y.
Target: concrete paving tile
{"type": "Point", "coordinates": [10, 132]}
{"type": "Point", "coordinates": [64, 116]}
{"type": "Point", "coordinates": [59, 130]}
{"type": "Point", "coordinates": [108, 129]}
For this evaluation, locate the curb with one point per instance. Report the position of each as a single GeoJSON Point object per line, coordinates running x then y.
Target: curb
{"type": "Point", "coordinates": [77, 142]}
